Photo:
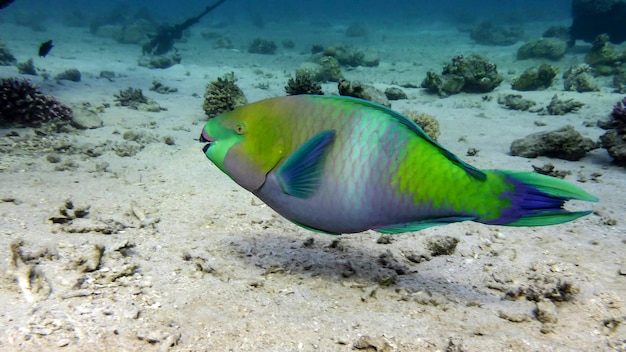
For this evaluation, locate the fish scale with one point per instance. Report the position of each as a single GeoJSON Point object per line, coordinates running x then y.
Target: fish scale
{"type": "Point", "coordinates": [342, 165]}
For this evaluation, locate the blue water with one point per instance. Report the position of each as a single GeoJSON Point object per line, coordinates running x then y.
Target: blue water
{"type": "Point", "coordinates": [319, 10]}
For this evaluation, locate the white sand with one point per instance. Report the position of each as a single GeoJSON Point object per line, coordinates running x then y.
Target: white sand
{"type": "Point", "coordinates": [200, 264]}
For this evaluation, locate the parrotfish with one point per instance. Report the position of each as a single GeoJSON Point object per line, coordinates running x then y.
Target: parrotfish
{"type": "Point", "coordinates": [344, 165]}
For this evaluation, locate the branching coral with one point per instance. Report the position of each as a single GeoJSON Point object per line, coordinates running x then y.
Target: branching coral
{"type": "Point", "coordinates": [223, 95]}
{"type": "Point", "coordinates": [22, 104]}
{"type": "Point", "coordinates": [303, 84]}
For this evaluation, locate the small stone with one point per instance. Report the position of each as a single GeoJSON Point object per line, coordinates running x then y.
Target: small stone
{"type": "Point", "coordinates": [63, 342]}
{"type": "Point", "coordinates": [86, 119]}
{"type": "Point", "coordinates": [53, 158]}
{"type": "Point", "coordinates": [546, 312]}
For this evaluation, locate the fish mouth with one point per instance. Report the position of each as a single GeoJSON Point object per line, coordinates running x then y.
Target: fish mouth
{"type": "Point", "coordinates": [205, 138]}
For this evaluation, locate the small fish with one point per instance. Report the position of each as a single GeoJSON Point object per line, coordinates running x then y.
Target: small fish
{"type": "Point", "coordinates": [45, 48]}
{"type": "Point", "coordinates": [343, 165]}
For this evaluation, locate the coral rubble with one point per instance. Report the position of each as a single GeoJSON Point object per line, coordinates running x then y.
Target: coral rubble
{"type": "Point", "coordinates": [535, 78]}
{"type": "Point", "coordinates": [22, 104]}
{"type": "Point", "coordinates": [562, 107]}
{"type": "Point", "coordinates": [564, 143]}
{"type": "Point", "coordinates": [472, 74]}
{"type": "Point", "coordinates": [133, 98]}
{"type": "Point", "coordinates": [516, 102]}
{"type": "Point", "coordinates": [544, 48]}
{"type": "Point", "coordinates": [605, 58]}
{"type": "Point", "coordinates": [578, 78]}
{"type": "Point", "coordinates": [363, 91]}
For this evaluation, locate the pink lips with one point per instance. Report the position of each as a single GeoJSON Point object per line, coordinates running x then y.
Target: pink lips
{"type": "Point", "coordinates": [205, 138]}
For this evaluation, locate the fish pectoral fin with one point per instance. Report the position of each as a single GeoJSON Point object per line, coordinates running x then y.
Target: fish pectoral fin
{"type": "Point", "coordinates": [420, 225]}
{"type": "Point", "coordinates": [299, 175]}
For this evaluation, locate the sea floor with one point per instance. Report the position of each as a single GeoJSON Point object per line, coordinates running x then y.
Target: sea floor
{"type": "Point", "coordinates": [154, 248]}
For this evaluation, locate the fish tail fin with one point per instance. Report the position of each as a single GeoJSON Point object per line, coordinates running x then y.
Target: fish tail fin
{"type": "Point", "coordinates": [537, 200]}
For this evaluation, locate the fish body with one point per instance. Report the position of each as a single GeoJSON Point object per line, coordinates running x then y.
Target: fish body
{"type": "Point", "coordinates": [45, 48]}
{"type": "Point", "coordinates": [344, 165]}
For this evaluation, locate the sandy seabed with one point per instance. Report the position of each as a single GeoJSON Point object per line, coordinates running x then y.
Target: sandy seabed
{"type": "Point", "coordinates": [160, 250]}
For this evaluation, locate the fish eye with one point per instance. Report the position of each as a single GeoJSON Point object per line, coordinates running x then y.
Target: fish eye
{"type": "Point", "coordinates": [240, 128]}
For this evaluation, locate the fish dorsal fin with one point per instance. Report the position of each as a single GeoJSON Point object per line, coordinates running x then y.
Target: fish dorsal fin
{"type": "Point", "coordinates": [408, 123]}
{"type": "Point", "coordinates": [299, 175]}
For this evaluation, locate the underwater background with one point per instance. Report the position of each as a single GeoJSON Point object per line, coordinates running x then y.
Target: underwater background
{"type": "Point", "coordinates": [117, 233]}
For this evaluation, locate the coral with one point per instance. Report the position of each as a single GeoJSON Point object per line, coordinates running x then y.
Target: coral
{"type": "Point", "coordinates": [578, 78]}
{"type": "Point", "coordinates": [473, 74]}
{"type": "Point", "coordinates": [262, 46]}
{"type": "Point", "coordinates": [489, 34]}
{"type": "Point", "coordinates": [71, 75]}
{"type": "Point", "coordinates": [428, 123]}
{"type": "Point", "coordinates": [6, 57]}
{"type": "Point", "coordinates": [516, 102]}
{"type": "Point", "coordinates": [605, 58]}
{"type": "Point", "coordinates": [562, 107]}
{"type": "Point", "coordinates": [362, 91]}
{"type": "Point", "coordinates": [134, 99]}
{"type": "Point", "coordinates": [614, 140]}
{"type": "Point", "coordinates": [304, 83]}
{"type": "Point", "coordinates": [325, 69]}
{"type": "Point", "coordinates": [564, 143]}
{"type": "Point", "coordinates": [535, 78]}
{"type": "Point", "coordinates": [223, 95]}
{"type": "Point", "coordinates": [22, 104]}
{"type": "Point", "coordinates": [547, 48]}
{"type": "Point", "coordinates": [27, 68]}
{"type": "Point", "coordinates": [330, 69]}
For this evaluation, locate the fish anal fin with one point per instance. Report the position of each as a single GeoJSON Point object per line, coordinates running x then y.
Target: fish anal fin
{"type": "Point", "coordinates": [420, 225]}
